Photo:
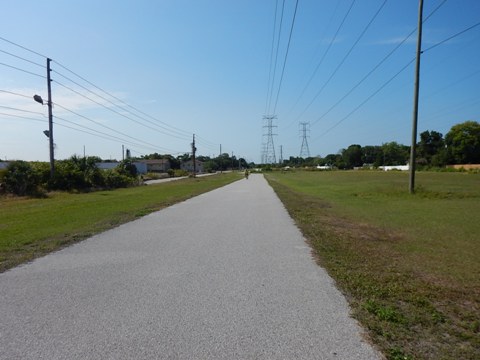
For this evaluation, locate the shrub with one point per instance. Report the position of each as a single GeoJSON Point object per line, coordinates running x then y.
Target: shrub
{"type": "Point", "coordinates": [21, 179]}
{"type": "Point", "coordinates": [180, 173]}
{"type": "Point", "coordinates": [113, 179]}
{"type": "Point", "coordinates": [3, 172]}
{"type": "Point", "coordinates": [126, 167]}
{"type": "Point", "coordinates": [76, 173]}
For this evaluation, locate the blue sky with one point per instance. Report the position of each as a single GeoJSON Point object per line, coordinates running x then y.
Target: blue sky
{"type": "Point", "coordinates": [204, 66]}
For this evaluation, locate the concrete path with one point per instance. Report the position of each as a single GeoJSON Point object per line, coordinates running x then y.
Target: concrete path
{"type": "Point", "coordinates": [225, 275]}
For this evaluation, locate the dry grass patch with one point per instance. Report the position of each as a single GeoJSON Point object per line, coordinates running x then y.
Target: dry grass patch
{"type": "Point", "coordinates": [410, 312]}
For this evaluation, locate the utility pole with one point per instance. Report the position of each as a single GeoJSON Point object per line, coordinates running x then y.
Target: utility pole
{"type": "Point", "coordinates": [415, 100]}
{"type": "Point", "coordinates": [49, 132]}
{"type": "Point", "coordinates": [280, 161]}
{"type": "Point", "coordinates": [50, 120]}
{"type": "Point", "coordinates": [193, 157]}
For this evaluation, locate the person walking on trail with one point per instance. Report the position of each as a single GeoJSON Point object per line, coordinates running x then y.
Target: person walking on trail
{"type": "Point", "coordinates": [246, 174]}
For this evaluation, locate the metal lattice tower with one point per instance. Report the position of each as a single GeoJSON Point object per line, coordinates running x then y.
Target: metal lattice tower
{"type": "Point", "coordinates": [268, 155]}
{"type": "Point", "coordinates": [304, 151]}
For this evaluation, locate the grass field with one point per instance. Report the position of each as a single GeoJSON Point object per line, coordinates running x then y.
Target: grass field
{"type": "Point", "coordinates": [33, 227]}
{"type": "Point", "coordinates": [409, 264]}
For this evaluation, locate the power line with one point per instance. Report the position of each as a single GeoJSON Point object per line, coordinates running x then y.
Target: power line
{"type": "Point", "coordinates": [107, 136]}
{"type": "Point", "coordinates": [385, 58]}
{"type": "Point", "coordinates": [116, 112]}
{"type": "Point", "coordinates": [25, 71]}
{"type": "Point", "coordinates": [23, 47]}
{"type": "Point", "coordinates": [16, 94]}
{"type": "Point", "coordinates": [21, 117]}
{"type": "Point", "coordinates": [326, 51]}
{"type": "Point", "coordinates": [286, 55]}
{"type": "Point", "coordinates": [271, 56]}
{"type": "Point", "coordinates": [344, 58]}
{"type": "Point", "coordinates": [314, 56]}
{"type": "Point", "coordinates": [16, 109]}
{"type": "Point", "coordinates": [451, 37]}
{"type": "Point", "coordinates": [168, 129]}
{"type": "Point", "coordinates": [103, 135]}
{"type": "Point", "coordinates": [21, 58]}
{"type": "Point", "coordinates": [104, 126]}
{"type": "Point", "coordinates": [182, 132]}
{"type": "Point", "coordinates": [367, 99]}
{"type": "Point", "coordinates": [276, 56]}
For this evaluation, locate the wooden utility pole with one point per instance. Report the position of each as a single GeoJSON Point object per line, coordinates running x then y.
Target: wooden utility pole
{"type": "Point", "coordinates": [193, 157]}
{"type": "Point", "coordinates": [415, 100]}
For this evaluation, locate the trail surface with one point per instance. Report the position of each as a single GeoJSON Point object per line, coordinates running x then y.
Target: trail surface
{"type": "Point", "coordinates": [225, 275]}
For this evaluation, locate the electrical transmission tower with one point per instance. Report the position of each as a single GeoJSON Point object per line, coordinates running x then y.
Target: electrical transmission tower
{"type": "Point", "coordinates": [268, 155]}
{"type": "Point", "coordinates": [304, 151]}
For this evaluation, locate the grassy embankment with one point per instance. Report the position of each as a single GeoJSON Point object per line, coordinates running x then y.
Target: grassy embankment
{"type": "Point", "coordinates": [33, 227]}
{"type": "Point", "coordinates": [409, 264]}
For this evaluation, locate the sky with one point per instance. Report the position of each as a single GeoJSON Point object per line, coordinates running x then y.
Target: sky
{"type": "Point", "coordinates": [147, 75]}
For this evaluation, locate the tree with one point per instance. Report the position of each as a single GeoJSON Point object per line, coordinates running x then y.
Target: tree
{"type": "Point", "coordinates": [463, 143]}
{"type": "Point", "coordinates": [333, 160]}
{"type": "Point", "coordinates": [352, 156]}
{"type": "Point", "coordinates": [372, 155]}
{"type": "Point", "coordinates": [431, 148]}
{"type": "Point", "coordinates": [395, 154]}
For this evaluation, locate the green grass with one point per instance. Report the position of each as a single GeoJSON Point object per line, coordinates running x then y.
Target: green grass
{"type": "Point", "coordinates": [409, 264]}
{"type": "Point", "coordinates": [33, 227]}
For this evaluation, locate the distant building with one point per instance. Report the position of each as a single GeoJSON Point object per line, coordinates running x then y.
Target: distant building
{"type": "Point", "coordinates": [110, 165]}
{"type": "Point", "coordinates": [395, 167]}
{"type": "Point", "coordinates": [461, 166]}
{"type": "Point", "coordinates": [324, 167]}
{"type": "Point", "coordinates": [156, 165]}
{"type": "Point", "coordinates": [188, 166]}
{"type": "Point", "coordinates": [107, 165]}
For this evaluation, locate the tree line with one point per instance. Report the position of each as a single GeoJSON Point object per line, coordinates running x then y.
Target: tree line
{"type": "Point", "coordinates": [83, 174]}
{"type": "Point", "coordinates": [461, 145]}
{"type": "Point", "coordinates": [222, 162]}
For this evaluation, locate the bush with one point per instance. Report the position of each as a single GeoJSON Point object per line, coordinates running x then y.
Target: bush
{"type": "Point", "coordinates": [126, 167]}
{"type": "Point", "coordinates": [180, 173]}
{"type": "Point", "coordinates": [3, 172]}
{"type": "Point", "coordinates": [113, 179]}
{"type": "Point", "coordinates": [76, 173]}
{"type": "Point", "coordinates": [21, 179]}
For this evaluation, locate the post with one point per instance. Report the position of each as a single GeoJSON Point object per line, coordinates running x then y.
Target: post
{"type": "Point", "coordinates": [50, 119]}
{"type": "Point", "coordinates": [415, 100]}
{"type": "Point", "coordinates": [193, 157]}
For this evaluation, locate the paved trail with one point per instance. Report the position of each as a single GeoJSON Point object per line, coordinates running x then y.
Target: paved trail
{"type": "Point", "coordinates": [225, 275]}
